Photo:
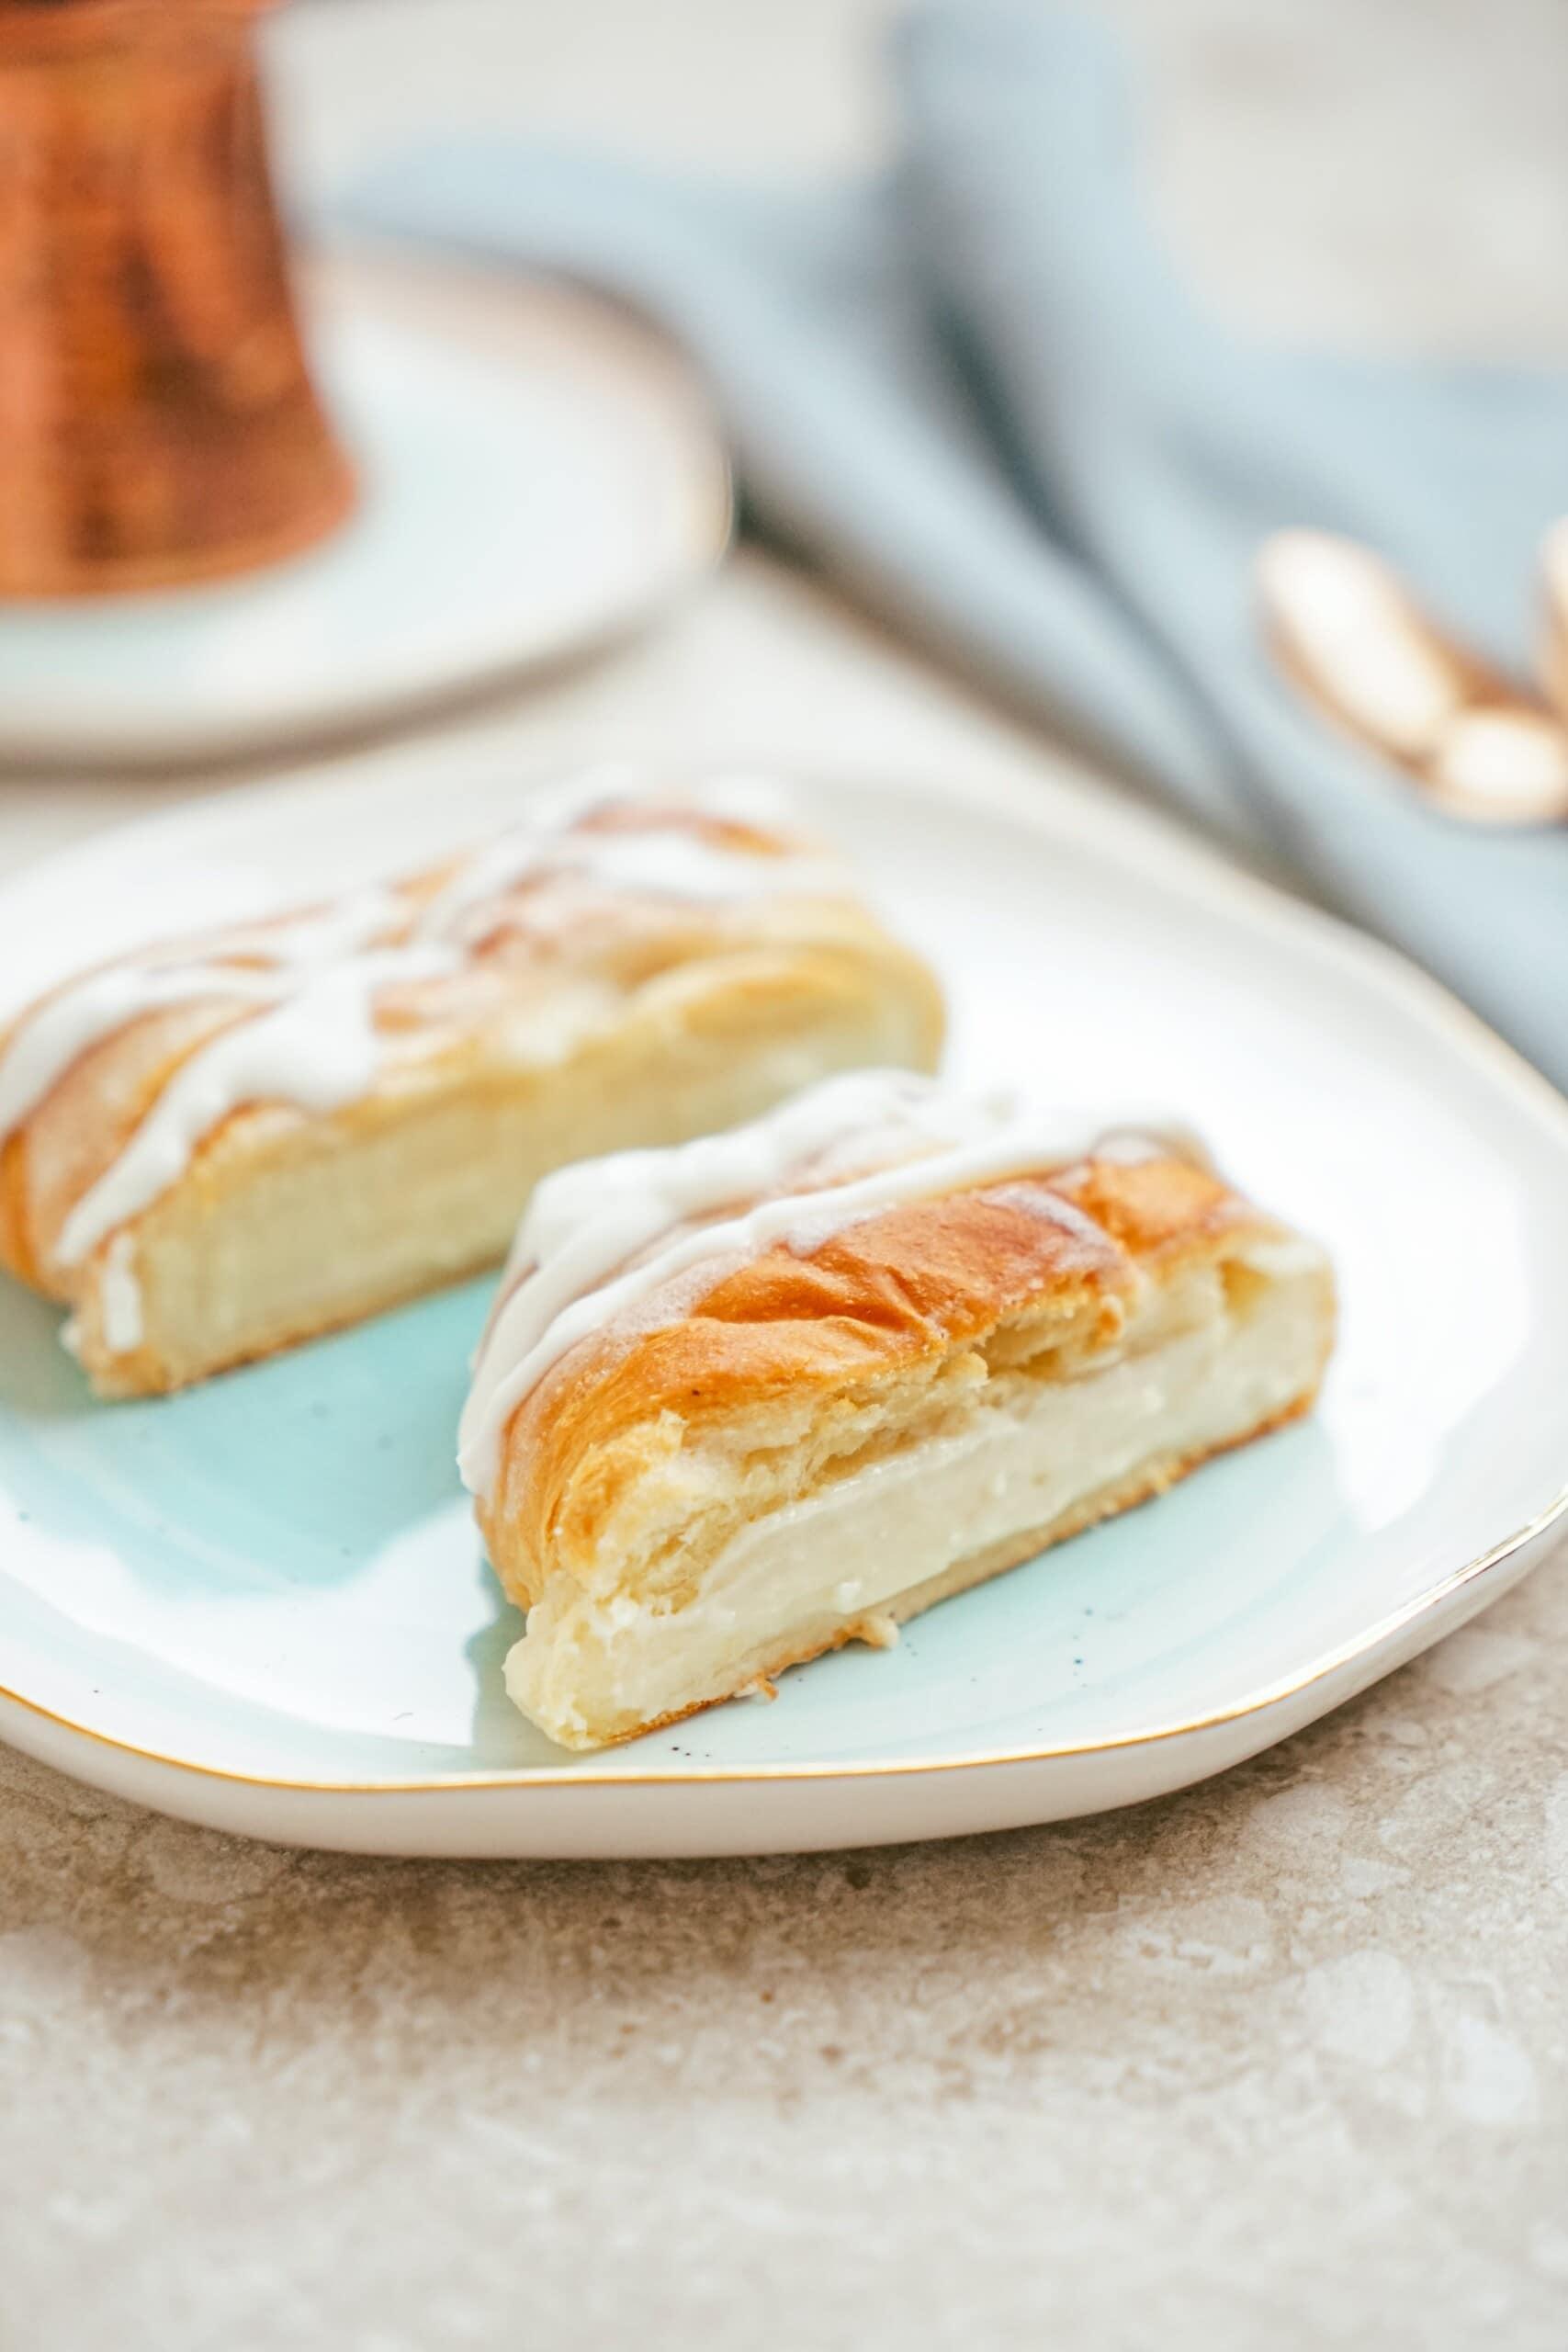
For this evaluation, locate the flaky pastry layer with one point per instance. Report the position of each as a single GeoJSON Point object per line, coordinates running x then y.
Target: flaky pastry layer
{"type": "Point", "coordinates": [646, 1021]}
{"type": "Point", "coordinates": [830, 1440]}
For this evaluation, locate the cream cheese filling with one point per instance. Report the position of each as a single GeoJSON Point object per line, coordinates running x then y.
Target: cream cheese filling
{"type": "Point", "coordinates": [1031, 1455]}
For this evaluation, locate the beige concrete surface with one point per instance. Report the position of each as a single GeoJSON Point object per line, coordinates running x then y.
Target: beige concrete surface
{"type": "Point", "coordinates": [1282, 2061]}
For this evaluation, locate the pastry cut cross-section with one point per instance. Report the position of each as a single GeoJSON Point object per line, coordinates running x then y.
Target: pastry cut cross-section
{"type": "Point", "coordinates": [219, 1145]}
{"type": "Point", "coordinates": [745, 1400]}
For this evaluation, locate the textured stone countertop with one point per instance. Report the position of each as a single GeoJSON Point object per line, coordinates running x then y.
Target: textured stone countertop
{"type": "Point", "coordinates": [1279, 2062]}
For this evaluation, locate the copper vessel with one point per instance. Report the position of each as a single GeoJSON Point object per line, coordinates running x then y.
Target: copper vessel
{"type": "Point", "coordinates": [158, 424]}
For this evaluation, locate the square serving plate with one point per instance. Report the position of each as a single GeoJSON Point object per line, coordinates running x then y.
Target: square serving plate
{"type": "Point", "coordinates": [262, 1604]}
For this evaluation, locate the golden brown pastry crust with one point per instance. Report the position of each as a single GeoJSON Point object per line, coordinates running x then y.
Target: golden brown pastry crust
{"type": "Point", "coordinates": [875, 1302]}
{"type": "Point", "coordinates": [699, 989]}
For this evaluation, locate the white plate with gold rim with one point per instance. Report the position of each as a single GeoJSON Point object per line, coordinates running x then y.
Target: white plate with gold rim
{"type": "Point", "coordinates": [262, 1604]}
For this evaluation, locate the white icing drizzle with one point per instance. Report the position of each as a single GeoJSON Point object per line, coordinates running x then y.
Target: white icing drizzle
{"type": "Point", "coordinates": [655, 860]}
{"type": "Point", "coordinates": [599, 1240]}
{"type": "Point", "coordinates": [80, 1016]}
{"type": "Point", "coordinates": [361, 919]}
{"type": "Point", "coordinates": [308, 984]}
{"type": "Point", "coordinates": [503, 863]}
{"type": "Point", "coordinates": [317, 1050]}
{"type": "Point", "coordinates": [64, 1028]}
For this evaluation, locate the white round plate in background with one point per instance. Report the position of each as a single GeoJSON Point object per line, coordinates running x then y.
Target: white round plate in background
{"type": "Point", "coordinates": [539, 470]}
{"type": "Point", "coordinates": [264, 1603]}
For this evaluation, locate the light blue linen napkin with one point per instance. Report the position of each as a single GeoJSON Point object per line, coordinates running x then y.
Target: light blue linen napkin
{"type": "Point", "coordinates": [974, 393]}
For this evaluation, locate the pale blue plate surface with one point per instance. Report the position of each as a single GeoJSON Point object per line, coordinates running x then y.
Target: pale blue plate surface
{"type": "Point", "coordinates": [276, 1576]}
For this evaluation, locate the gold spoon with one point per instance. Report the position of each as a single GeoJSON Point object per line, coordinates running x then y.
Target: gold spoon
{"type": "Point", "coordinates": [1351, 638]}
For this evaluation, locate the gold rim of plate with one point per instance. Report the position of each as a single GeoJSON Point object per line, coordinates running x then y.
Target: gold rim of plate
{"type": "Point", "coordinates": [1388, 969]}
{"type": "Point", "coordinates": [555, 1776]}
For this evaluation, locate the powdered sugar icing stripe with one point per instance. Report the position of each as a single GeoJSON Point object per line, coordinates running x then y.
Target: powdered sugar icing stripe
{"type": "Point", "coordinates": [317, 1049]}
{"type": "Point", "coordinates": [307, 984]}
{"type": "Point", "coordinates": [656, 859]}
{"type": "Point", "coordinates": [48, 1040]}
{"type": "Point", "coordinates": [599, 1240]}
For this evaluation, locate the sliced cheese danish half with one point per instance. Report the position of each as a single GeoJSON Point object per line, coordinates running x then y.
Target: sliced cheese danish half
{"type": "Point", "coordinates": [220, 1145]}
{"type": "Point", "coordinates": [744, 1400]}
